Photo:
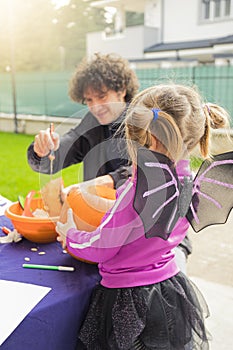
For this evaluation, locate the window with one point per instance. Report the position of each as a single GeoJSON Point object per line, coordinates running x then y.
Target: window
{"type": "Point", "coordinates": [206, 9]}
{"type": "Point", "coordinates": [215, 9]}
{"type": "Point", "coordinates": [227, 10]}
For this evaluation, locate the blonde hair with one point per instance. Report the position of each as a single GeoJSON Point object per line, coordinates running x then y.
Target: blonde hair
{"type": "Point", "coordinates": [183, 121]}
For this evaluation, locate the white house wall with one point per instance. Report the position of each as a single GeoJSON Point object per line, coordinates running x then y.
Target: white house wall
{"type": "Point", "coordinates": [152, 13]}
{"type": "Point", "coordinates": [130, 44]}
{"type": "Point", "coordinates": [182, 22]}
{"type": "Point", "coordinates": [98, 42]}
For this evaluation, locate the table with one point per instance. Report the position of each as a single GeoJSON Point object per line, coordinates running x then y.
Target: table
{"type": "Point", "coordinates": [55, 320]}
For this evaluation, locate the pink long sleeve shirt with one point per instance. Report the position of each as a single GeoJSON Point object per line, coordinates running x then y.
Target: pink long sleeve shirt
{"type": "Point", "coordinates": [126, 258]}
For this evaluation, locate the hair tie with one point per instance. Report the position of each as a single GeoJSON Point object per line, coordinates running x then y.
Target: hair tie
{"type": "Point", "coordinates": [155, 113]}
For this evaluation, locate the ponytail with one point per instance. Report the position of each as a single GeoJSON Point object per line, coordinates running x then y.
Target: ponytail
{"type": "Point", "coordinates": [141, 127]}
{"type": "Point", "coordinates": [216, 117]}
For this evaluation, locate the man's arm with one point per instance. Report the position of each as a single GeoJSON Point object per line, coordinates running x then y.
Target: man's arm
{"type": "Point", "coordinates": [72, 150]}
{"type": "Point", "coordinates": [120, 175]}
{"type": "Point", "coordinates": [73, 147]}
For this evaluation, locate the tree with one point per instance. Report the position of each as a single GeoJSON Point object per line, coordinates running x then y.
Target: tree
{"type": "Point", "coordinates": [45, 38]}
{"type": "Point", "coordinates": [74, 21]}
{"type": "Point", "coordinates": [30, 30]}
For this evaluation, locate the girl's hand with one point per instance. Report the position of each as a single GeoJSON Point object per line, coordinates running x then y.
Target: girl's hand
{"type": "Point", "coordinates": [62, 229]}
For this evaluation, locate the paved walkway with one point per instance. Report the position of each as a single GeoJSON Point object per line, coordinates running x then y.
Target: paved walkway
{"type": "Point", "coordinates": [210, 267]}
{"type": "Point", "coordinates": [220, 323]}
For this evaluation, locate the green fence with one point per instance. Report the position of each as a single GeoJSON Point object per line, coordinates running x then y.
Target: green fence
{"type": "Point", "coordinates": [38, 94]}
{"type": "Point", "coordinates": [47, 93]}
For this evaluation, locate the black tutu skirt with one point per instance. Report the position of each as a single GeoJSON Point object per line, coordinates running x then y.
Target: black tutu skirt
{"type": "Point", "coordinates": [164, 316]}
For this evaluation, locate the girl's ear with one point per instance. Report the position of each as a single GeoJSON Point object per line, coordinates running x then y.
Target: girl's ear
{"type": "Point", "coordinates": [154, 144]}
{"type": "Point", "coordinates": [157, 146]}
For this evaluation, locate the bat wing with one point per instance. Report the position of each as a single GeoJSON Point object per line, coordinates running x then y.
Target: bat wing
{"type": "Point", "coordinates": [212, 192]}
{"type": "Point", "coordinates": [160, 199]}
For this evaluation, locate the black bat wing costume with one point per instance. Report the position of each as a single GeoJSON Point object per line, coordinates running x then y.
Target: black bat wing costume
{"type": "Point", "coordinates": [161, 199]}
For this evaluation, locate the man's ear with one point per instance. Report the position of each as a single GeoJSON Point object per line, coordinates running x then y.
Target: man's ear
{"type": "Point", "coordinates": [122, 94]}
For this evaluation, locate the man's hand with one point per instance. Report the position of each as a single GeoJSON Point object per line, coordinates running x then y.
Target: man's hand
{"type": "Point", "coordinates": [46, 141]}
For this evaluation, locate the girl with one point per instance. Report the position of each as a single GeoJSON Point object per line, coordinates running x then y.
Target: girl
{"type": "Point", "coordinates": [143, 300]}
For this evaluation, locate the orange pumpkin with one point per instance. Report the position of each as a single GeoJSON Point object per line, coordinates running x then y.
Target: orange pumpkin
{"type": "Point", "coordinates": [89, 205]}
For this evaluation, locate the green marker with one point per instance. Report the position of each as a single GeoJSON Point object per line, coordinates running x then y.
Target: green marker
{"type": "Point", "coordinates": [49, 267]}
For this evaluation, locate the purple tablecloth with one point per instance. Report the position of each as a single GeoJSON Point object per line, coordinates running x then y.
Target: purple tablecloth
{"type": "Point", "coordinates": [54, 322]}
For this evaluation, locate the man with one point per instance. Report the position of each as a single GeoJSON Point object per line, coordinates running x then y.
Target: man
{"type": "Point", "coordinates": [105, 84]}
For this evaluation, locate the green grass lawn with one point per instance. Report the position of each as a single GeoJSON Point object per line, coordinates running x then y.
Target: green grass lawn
{"type": "Point", "coordinates": [16, 177]}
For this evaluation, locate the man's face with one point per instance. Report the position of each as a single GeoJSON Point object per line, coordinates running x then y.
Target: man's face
{"type": "Point", "coordinates": [106, 106]}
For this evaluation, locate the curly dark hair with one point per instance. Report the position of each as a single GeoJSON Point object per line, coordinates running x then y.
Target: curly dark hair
{"type": "Point", "coordinates": [109, 71]}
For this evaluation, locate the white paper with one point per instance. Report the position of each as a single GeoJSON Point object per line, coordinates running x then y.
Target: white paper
{"type": "Point", "coordinates": [4, 203]}
{"type": "Point", "coordinates": [16, 301]}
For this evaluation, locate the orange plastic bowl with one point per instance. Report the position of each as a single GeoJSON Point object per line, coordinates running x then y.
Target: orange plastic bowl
{"type": "Point", "coordinates": [38, 230]}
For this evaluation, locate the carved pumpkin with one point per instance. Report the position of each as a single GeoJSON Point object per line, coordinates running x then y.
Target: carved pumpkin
{"type": "Point", "coordinates": [89, 205]}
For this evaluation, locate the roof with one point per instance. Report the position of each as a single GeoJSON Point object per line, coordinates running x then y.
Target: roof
{"type": "Point", "coordinates": [186, 45]}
